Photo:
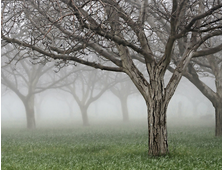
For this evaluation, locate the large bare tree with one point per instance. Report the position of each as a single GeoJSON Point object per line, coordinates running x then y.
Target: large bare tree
{"type": "Point", "coordinates": [211, 64]}
{"type": "Point", "coordinates": [117, 31]}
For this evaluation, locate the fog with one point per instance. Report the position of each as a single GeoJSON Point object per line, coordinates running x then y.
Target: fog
{"type": "Point", "coordinates": [187, 106]}
{"type": "Point", "coordinates": [54, 83]}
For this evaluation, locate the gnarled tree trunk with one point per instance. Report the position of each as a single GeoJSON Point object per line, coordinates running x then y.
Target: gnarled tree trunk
{"type": "Point", "coordinates": [218, 119]}
{"type": "Point", "coordinates": [157, 122]}
{"type": "Point", "coordinates": [157, 127]}
{"type": "Point", "coordinates": [218, 108]}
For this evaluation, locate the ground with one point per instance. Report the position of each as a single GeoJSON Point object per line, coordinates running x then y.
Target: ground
{"type": "Point", "coordinates": [106, 146]}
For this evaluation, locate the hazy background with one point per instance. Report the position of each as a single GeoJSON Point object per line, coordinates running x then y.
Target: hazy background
{"type": "Point", "coordinates": [188, 105]}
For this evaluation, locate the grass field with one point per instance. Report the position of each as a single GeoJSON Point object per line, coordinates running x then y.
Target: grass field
{"type": "Point", "coordinates": [108, 147]}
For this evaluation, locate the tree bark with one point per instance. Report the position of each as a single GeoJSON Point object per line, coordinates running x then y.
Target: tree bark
{"type": "Point", "coordinates": [157, 127]}
{"type": "Point", "coordinates": [218, 119]}
{"type": "Point", "coordinates": [157, 99]}
{"type": "Point", "coordinates": [218, 108]}
{"type": "Point", "coordinates": [157, 103]}
{"type": "Point", "coordinates": [124, 108]}
{"type": "Point", "coordinates": [85, 118]}
{"type": "Point", "coordinates": [30, 114]}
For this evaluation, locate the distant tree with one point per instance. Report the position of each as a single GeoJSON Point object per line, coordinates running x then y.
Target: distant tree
{"type": "Point", "coordinates": [39, 99]}
{"type": "Point", "coordinates": [70, 107]}
{"type": "Point", "coordinates": [212, 66]}
{"type": "Point", "coordinates": [12, 77]}
{"type": "Point", "coordinates": [26, 80]}
{"type": "Point", "coordinates": [188, 90]}
{"type": "Point", "coordinates": [115, 31]}
{"type": "Point", "coordinates": [86, 87]}
{"type": "Point", "coordinates": [70, 104]}
{"type": "Point", "coordinates": [122, 91]}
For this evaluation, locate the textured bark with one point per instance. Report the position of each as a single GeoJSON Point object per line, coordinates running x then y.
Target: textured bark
{"type": "Point", "coordinates": [157, 123]}
{"type": "Point", "coordinates": [218, 108]}
{"type": "Point", "coordinates": [30, 114]}
{"type": "Point", "coordinates": [157, 130]}
{"type": "Point", "coordinates": [218, 119]}
{"type": "Point", "coordinates": [156, 100]}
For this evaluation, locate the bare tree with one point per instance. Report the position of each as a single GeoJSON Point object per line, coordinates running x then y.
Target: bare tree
{"type": "Point", "coordinates": [87, 87]}
{"type": "Point", "coordinates": [210, 64]}
{"type": "Point", "coordinates": [122, 91]}
{"type": "Point", "coordinates": [59, 95]}
{"type": "Point", "coordinates": [187, 89]}
{"type": "Point", "coordinates": [26, 80]}
{"type": "Point", "coordinates": [39, 99]}
{"type": "Point", "coordinates": [117, 31]}
{"type": "Point", "coordinates": [23, 81]}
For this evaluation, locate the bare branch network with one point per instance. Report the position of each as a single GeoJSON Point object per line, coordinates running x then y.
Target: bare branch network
{"type": "Point", "coordinates": [161, 34]}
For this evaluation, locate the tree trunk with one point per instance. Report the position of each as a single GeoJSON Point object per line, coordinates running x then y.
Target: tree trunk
{"type": "Point", "coordinates": [218, 120]}
{"type": "Point", "coordinates": [85, 118]}
{"type": "Point", "coordinates": [30, 115]}
{"type": "Point", "coordinates": [218, 107]}
{"type": "Point", "coordinates": [157, 104]}
{"type": "Point", "coordinates": [157, 127]}
{"type": "Point", "coordinates": [124, 108]}
{"type": "Point", "coordinates": [157, 98]}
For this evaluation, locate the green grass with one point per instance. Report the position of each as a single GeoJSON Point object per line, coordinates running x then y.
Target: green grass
{"type": "Point", "coordinates": [96, 147]}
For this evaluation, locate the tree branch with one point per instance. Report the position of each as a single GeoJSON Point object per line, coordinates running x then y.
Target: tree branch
{"type": "Point", "coordinates": [62, 57]}
{"type": "Point", "coordinates": [196, 18]}
{"type": "Point", "coordinates": [207, 51]}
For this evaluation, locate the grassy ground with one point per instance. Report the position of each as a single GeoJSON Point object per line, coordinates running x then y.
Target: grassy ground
{"type": "Point", "coordinates": [96, 147]}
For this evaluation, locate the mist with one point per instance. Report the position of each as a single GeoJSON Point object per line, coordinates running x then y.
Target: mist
{"type": "Point", "coordinates": [58, 108]}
